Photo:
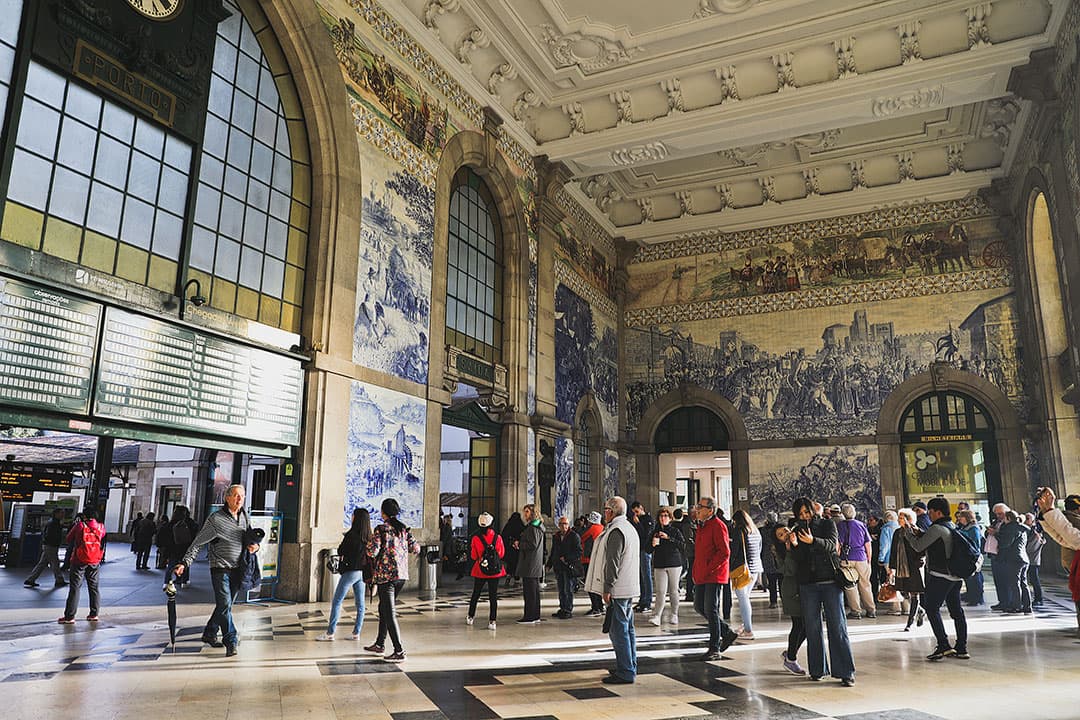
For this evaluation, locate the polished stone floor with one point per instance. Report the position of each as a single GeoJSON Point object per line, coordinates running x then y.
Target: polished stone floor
{"type": "Point", "coordinates": [124, 666]}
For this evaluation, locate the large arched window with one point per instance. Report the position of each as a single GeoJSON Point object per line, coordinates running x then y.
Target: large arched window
{"type": "Point", "coordinates": [690, 429]}
{"type": "Point", "coordinates": [943, 412]}
{"type": "Point", "coordinates": [474, 269]}
{"type": "Point", "coordinates": [584, 459]}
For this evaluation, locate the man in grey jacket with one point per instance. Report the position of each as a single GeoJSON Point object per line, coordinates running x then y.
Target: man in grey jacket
{"type": "Point", "coordinates": [224, 531]}
{"type": "Point", "coordinates": [614, 575]}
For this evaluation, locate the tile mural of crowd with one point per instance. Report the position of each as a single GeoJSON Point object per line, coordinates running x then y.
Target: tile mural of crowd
{"type": "Point", "coordinates": [393, 280]}
{"type": "Point", "coordinates": [825, 372]}
{"type": "Point", "coordinates": [586, 358]}
{"type": "Point", "coordinates": [385, 452]}
{"type": "Point", "coordinates": [828, 474]}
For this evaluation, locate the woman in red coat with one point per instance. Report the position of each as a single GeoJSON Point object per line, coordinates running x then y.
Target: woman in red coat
{"type": "Point", "coordinates": [484, 570]}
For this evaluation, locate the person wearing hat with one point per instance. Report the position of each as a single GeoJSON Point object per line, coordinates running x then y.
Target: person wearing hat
{"type": "Point", "coordinates": [922, 519]}
{"type": "Point", "coordinates": [485, 571]}
{"type": "Point", "coordinates": [593, 528]}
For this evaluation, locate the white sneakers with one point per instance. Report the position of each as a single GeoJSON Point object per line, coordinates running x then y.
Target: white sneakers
{"type": "Point", "coordinates": [655, 620]}
{"type": "Point", "coordinates": [491, 625]}
{"type": "Point", "coordinates": [468, 621]}
{"type": "Point", "coordinates": [674, 620]}
{"type": "Point", "coordinates": [325, 638]}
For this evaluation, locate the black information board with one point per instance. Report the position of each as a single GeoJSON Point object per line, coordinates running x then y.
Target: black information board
{"type": "Point", "coordinates": [18, 483]}
{"type": "Point", "coordinates": [47, 345]}
{"type": "Point", "coordinates": [154, 372]}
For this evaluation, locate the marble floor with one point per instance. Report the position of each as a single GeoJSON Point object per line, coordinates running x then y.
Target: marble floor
{"type": "Point", "coordinates": [124, 667]}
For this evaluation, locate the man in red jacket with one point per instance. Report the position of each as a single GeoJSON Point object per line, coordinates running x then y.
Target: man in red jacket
{"type": "Point", "coordinates": [712, 551]}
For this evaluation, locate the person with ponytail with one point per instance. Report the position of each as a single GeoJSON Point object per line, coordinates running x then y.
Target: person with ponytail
{"type": "Point", "coordinates": [389, 550]}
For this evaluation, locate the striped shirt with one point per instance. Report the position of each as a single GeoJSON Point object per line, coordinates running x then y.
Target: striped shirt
{"type": "Point", "coordinates": [225, 535]}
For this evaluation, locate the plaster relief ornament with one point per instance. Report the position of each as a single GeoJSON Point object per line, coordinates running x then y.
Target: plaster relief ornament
{"type": "Point", "coordinates": [524, 102]}
{"type": "Point", "coordinates": [728, 89]}
{"type": "Point", "coordinates": [977, 32]}
{"type": "Point", "coordinates": [499, 75]}
{"type": "Point", "coordinates": [686, 202]}
{"type": "Point", "coordinates": [768, 191]}
{"type": "Point", "coordinates": [673, 88]}
{"type": "Point", "coordinates": [623, 107]}
{"type": "Point", "coordinates": [576, 115]}
{"type": "Point", "coordinates": [998, 121]}
{"type": "Point", "coordinates": [474, 40]}
{"type": "Point", "coordinates": [434, 8]}
{"type": "Point", "coordinates": [646, 209]}
{"type": "Point", "coordinates": [845, 57]}
{"type": "Point", "coordinates": [916, 100]}
{"type": "Point", "coordinates": [785, 74]}
{"type": "Point", "coordinates": [858, 174]}
{"type": "Point", "coordinates": [909, 42]}
{"type": "Point", "coordinates": [635, 154]}
{"type": "Point", "coordinates": [812, 141]}
{"type": "Point", "coordinates": [727, 196]}
{"type": "Point", "coordinates": [728, 7]}
{"type": "Point", "coordinates": [601, 189]}
{"type": "Point", "coordinates": [955, 158]}
{"type": "Point", "coordinates": [904, 166]}
{"type": "Point", "coordinates": [810, 181]}
{"type": "Point", "coordinates": [591, 53]}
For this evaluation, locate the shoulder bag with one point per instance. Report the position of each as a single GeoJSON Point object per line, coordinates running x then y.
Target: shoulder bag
{"type": "Point", "coordinates": [740, 577]}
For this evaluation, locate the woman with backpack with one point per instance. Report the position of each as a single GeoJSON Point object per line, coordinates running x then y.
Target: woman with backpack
{"type": "Point", "coordinates": [353, 563]}
{"type": "Point", "coordinates": [389, 550]}
{"type": "Point", "coordinates": [487, 551]}
{"type": "Point", "coordinates": [88, 537]}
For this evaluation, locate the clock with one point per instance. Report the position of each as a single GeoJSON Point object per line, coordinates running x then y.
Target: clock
{"type": "Point", "coordinates": [157, 9]}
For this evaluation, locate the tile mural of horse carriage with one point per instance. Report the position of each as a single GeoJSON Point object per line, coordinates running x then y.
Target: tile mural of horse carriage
{"type": "Point", "coordinates": [855, 257]}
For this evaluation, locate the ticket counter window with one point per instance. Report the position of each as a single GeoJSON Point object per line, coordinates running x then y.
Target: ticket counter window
{"type": "Point", "coordinates": [948, 451]}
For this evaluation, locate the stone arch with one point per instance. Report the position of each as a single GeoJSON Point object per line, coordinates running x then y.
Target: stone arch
{"type": "Point", "coordinates": [646, 459]}
{"type": "Point", "coordinates": [1007, 428]}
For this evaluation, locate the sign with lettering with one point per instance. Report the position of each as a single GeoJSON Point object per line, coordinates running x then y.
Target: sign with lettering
{"type": "Point", "coordinates": [18, 483]}
{"type": "Point", "coordinates": [106, 72]}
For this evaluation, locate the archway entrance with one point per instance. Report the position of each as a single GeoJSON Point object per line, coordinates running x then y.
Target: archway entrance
{"type": "Point", "coordinates": [692, 448]}
{"type": "Point", "coordinates": [949, 449]}
{"type": "Point", "coordinates": [469, 466]}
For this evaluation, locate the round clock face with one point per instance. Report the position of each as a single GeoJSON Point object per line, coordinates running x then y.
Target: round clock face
{"type": "Point", "coordinates": [156, 9]}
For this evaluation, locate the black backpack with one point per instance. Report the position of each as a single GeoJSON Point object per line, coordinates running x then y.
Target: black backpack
{"type": "Point", "coordinates": [965, 559]}
{"type": "Point", "coordinates": [490, 562]}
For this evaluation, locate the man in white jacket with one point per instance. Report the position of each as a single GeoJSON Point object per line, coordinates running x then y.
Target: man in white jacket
{"type": "Point", "coordinates": [613, 574]}
{"type": "Point", "coordinates": [1064, 527]}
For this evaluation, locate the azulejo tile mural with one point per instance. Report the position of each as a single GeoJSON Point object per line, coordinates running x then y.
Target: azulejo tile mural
{"type": "Point", "coordinates": [586, 357]}
{"type": "Point", "coordinates": [827, 474]}
{"type": "Point", "coordinates": [385, 454]}
{"type": "Point", "coordinates": [824, 372]}
{"type": "Point", "coordinates": [822, 262]}
{"type": "Point", "coordinates": [393, 281]}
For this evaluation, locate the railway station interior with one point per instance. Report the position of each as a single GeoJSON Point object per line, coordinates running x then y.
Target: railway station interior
{"type": "Point", "coordinates": [474, 255]}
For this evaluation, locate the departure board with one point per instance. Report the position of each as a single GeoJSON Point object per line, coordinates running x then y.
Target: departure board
{"type": "Point", "coordinates": [154, 372]}
{"type": "Point", "coordinates": [18, 483]}
{"type": "Point", "coordinates": [47, 344]}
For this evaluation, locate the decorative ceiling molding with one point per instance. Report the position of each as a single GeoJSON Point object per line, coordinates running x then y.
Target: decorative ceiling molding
{"type": "Point", "coordinates": [999, 120]}
{"type": "Point", "coordinates": [913, 101]}
{"type": "Point", "coordinates": [814, 141]}
{"type": "Point", "coordinates": [637, 154]}
{"type": "Point", "coordinates": [591, 53]}
{"type": "Point", "coordinates": [727, 7]}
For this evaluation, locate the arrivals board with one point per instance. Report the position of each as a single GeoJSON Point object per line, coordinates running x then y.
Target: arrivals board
{"type": "Point", "coordinates": [18, 483]}
{"type": "Point", "coordinates": [153, 372]}
{"type": "Point", "coordinates": [47, 344]}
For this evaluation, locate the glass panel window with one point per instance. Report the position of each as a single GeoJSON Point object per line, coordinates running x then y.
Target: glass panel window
{"type": "Point", "coordinates": [584, 464]}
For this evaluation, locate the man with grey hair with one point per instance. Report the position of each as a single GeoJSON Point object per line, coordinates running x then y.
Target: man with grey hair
{"type": "Point", "coordinates": [614, 574]}
{"type": "Point", "coordinates": [224, 532]}
{"type": "Point", "coordinates": [712, 556]}
{"type": "Point", "coordinates": [991, 550]}
{"type": "Point", "coordinates": [855, 551]}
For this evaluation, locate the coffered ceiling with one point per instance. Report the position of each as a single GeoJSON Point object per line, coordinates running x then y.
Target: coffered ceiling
{"type": "Point", "coordinates": [684, 116]}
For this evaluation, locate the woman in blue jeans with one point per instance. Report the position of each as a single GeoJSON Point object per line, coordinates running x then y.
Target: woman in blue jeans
{"type": "Point", "coordinates": [816, 560]}
{"type": "Point", "coordinates": [353, 560]}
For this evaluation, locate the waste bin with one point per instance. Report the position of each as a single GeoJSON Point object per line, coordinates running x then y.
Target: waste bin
{"type": "Point", "coordinates": [329, 579]}
{"type": "Point", "coordinates": [429, 571]}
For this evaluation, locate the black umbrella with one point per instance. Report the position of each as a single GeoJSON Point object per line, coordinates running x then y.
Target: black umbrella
{"type": "Point", "coordinates": [170, 594]}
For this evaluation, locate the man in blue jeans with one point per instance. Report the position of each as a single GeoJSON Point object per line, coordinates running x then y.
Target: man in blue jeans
{"type": "Point", "coordinates": [613, 574]}
{"type": "Point", "coordinates": [643, 523]}
{"type": "Point", "coordinates": [941, 587]}
{"type": "Point", "coordinates": [224, 531]}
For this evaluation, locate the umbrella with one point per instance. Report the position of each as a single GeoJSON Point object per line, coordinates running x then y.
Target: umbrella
{"type": "Point", "coordinates": [170, 594]}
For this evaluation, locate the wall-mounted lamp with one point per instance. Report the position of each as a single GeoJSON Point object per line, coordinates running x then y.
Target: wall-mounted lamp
{"type": "Point", "coordinates": [197, 298]}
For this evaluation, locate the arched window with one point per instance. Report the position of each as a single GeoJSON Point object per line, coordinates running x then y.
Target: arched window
{"type": "Point", "coordinates": [474, 269]}
{"type": "Point", "coordinates": [943, 412]}
{"type": "Point", "coordinates": [584, 458]}
{"type": "Point", "coordinates": [691, 428]}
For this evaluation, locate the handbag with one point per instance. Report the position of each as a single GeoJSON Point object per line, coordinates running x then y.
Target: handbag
{"type": "Point", "coordinates": [886, 593]}
{"type": "Point", "coordinates": [740, 577]}
{"type": "Point", "coordinates": [333, 564]}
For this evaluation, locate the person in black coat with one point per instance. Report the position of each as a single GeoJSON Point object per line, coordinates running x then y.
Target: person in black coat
{"type": "Point", "coordinates": [181, 531]}
{"type": "Point", "coordinates": [145, 531]}
{"type": "Point", "coordinates": [353, 564]}
{"type": "Point", "coordinates": [666, 548]}
{"type": "Point", "coordinates": [565, 560]}
{"type": "Point", "coordinates": [511, 533]}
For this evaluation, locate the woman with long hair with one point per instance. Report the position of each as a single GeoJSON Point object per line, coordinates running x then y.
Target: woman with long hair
{"type": "Point", "coordinates": [905, 567]}
{"type": "Point", "coordinates": [783, 541]}
{"type": "Point", "coordinates": [666, 548]}
{"type": "Point", "coordinates": [745, 550]}
{"type": "Point", "coordinates": [817, 562]}
{"type": "Point", "coordinates": [389, 550]}
{"type": "Point", "coordinates": [352, 562]}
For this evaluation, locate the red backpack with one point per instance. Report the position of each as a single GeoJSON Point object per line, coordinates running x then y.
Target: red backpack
{"type": "Point", "coordinates": [88, 547]}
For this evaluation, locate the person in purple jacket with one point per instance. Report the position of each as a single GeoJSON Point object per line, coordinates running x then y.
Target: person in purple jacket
{"type": "Point", "coordinates": [855, 549]}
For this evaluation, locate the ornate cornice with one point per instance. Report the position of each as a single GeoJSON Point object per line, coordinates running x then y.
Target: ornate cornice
{"type": "Point", "coordinates": [392, 143]}
{"type": "Point", "coordinates": [590, 53]}
{"type": "Point", "coordinates": [878, 219]}
{"type": "Point", "coordinates": [585, 222]}
{"type": "Point", "coordinates": [982, 279]}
